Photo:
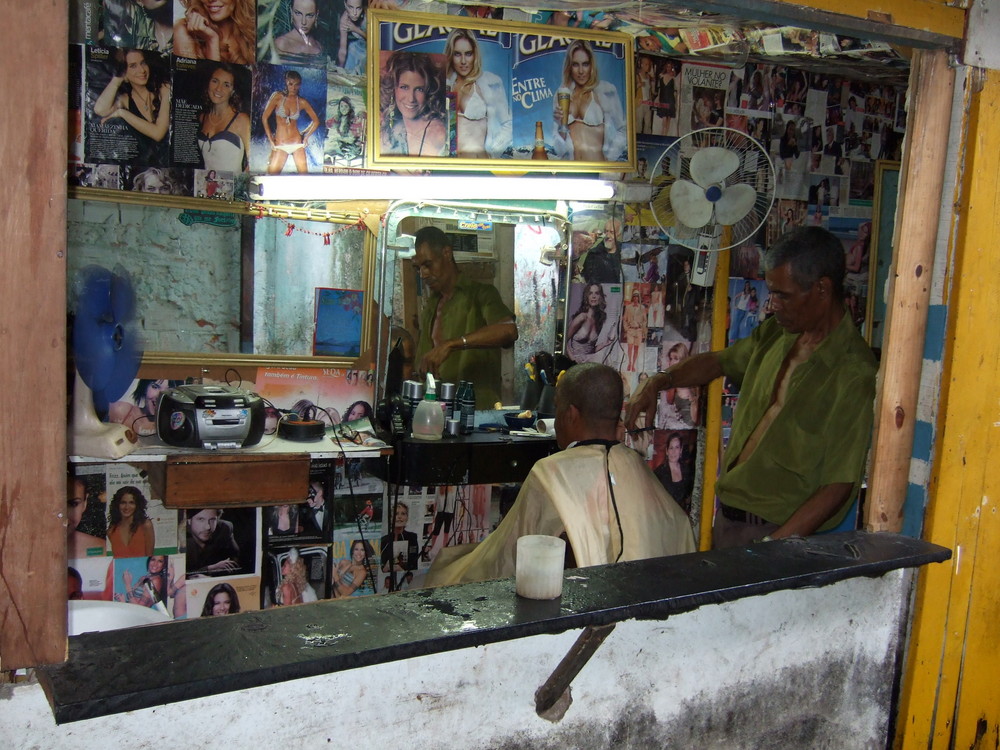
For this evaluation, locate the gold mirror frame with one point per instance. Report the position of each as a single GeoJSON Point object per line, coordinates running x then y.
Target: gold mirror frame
{"type": "Point", "coordinates": [352, 213]}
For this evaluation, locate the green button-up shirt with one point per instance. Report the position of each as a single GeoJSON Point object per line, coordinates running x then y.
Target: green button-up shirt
{"type": "Point", "coordinates": [471, 306]}
{"type": "Point", "coordinates": [819, 437]}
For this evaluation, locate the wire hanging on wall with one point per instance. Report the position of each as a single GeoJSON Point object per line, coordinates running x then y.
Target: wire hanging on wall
{"type": "Point", "coordinates": [291, 228]}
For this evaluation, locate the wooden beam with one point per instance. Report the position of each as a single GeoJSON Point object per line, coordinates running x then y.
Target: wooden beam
{"type": "Point", "coordinates": [910, 23]}
{"type": "Point", "coordinates": [32, 337]}
{"type": "Point", "coordinates": [932, 83]}
{"type": "Point", "coordinates": [713, 417]}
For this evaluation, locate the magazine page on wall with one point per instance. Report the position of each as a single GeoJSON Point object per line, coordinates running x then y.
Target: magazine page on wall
{"type": "Point", "coordinates": [211, 123]}
{"type": "Point", "coordinates": [347, 127]}
{"type": "Point", "coordinates": [288, 132]}
{"type": "Point", "coordinates": [127, 111]}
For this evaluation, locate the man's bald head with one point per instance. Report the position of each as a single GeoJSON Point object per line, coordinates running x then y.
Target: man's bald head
{"type": "Point", "coordinates": [594, 389]}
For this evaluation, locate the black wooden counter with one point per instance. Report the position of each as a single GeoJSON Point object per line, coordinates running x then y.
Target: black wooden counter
{"type": "Point", "coordinates": [123, 670]}
{"type": "Point", "coordinates": [478, 458]}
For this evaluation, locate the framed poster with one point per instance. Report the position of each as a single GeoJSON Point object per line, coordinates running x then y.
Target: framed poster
{"type": "Point", "coordinates": [458, 93]}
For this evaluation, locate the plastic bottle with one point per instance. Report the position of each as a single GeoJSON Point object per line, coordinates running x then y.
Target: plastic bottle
{"type": "Point", "coordinates": [456, 411]}
{"type": "Point", "coordinates": [468, 420]}
{"type": "Point", "coordinates": [428, 420]}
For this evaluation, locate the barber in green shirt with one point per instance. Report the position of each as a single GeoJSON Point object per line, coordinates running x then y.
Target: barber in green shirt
{"type": "Point", "coordinates": [464, 323]}
{"type": "Point", "coordinates": [801, 431]}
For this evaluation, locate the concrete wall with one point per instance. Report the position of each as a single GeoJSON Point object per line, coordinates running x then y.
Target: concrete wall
{"type": "Point", "coordinates": [811, 668]}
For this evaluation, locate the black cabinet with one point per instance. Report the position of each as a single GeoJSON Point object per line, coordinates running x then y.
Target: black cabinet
{"type": "Point", "coordinates": [479, 458]}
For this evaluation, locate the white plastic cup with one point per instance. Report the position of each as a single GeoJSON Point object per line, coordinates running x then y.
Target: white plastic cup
{"type": "Point", "coordinates": [538, 570]}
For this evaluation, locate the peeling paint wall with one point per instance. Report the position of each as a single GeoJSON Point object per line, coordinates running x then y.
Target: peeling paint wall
{"type": "Point", "coordinates": [186, 278]}
{"type": "Point", "coordinates": [794, 669]}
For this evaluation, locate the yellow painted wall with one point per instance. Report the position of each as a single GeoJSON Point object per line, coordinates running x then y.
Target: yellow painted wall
{"type": "Point", "coordinates": [952, 685]}
{"type": "Point", "coordinates": [937, 16]}
{"type": "Point", "coordinates": [951, 689]}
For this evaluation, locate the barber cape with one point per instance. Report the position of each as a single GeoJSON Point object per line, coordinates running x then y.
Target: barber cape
{"type": "Point", "coordinates": [568, 492]}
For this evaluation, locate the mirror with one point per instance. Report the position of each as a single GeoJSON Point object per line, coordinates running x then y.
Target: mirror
{"type": "Point", "coordinates": [514, 248]}
{"type": "Point", "coordinates": [214, 285]}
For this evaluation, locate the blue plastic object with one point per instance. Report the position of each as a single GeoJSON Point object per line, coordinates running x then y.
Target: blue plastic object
{"type": "Point", "coordinates": [105, 337]}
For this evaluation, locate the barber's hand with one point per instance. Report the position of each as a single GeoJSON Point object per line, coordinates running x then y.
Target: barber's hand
{"type": "Point", "coordinates": [432, 361]}
{"type": "Point", "coordinates": [644, 399]}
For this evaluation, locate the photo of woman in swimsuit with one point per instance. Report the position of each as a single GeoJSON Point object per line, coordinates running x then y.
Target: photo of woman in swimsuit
{"type": "Point", "coordinates": [285, 138]}
{"type": "Point", "coordinates": [590, 122]}
{"type": "Point", "coordinates": [351, 574]}
{"type": "Point", "coordinates": [483, 120]}
{"type": "Point", "coordinates": [411, 99]}
{"type": "Point", "coordinates": [224, 132]}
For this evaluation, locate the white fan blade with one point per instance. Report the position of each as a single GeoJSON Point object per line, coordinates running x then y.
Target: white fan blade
{"type": "Point", "coordinates": [735, 203]}
{"type": "Point", "coordinates": [712, 165]}
{"type": "Point", "coordinates": [689, 204]}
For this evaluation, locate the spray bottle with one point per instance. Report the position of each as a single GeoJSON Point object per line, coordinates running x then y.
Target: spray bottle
{"type": "Point", "coordinates": [428, 420]}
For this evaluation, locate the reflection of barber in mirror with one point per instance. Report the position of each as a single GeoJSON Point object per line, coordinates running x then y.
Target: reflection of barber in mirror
{"type": "Point", "coordinates": [464, 323]}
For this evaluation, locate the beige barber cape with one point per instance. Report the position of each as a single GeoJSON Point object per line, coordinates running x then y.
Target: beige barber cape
{"type": "Point", "coordinates": [568, 492]}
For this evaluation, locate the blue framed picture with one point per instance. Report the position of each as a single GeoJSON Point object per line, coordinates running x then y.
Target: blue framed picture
{"type": "Point", "coordinates": [339, 315]}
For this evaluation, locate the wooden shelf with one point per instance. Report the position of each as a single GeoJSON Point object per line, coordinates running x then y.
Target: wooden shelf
{"type": "Point", "coordinates": [271, 473]}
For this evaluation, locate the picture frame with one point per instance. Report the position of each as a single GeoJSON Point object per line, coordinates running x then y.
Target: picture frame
{"type": "Point", "coordinates": [339, 322]}
{"type": "Point", "coordinates": [458, 93]}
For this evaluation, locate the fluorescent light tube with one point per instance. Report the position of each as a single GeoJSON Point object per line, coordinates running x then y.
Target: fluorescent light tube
{"type": "Point", "coordinates": [325, 187]}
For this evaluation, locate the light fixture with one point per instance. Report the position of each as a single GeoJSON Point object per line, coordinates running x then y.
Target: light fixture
{"type": "Point", "coordinates": [326, 187]}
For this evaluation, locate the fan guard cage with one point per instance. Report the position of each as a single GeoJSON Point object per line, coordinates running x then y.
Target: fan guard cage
{"type": "Point", "coordinates": [755, 169]}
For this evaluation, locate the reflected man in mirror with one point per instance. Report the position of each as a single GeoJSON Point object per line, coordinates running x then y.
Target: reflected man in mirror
{"type": "Point", "coordinates": [806, 378]}
{"type": "Point", "coordinates": [464, 323]}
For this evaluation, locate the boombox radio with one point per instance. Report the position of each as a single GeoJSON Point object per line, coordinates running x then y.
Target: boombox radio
{"type": "Point", "coordinates": [210, 416]}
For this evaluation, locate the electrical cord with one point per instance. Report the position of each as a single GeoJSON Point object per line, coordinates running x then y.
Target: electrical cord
{"type": "Point", "coordinates": [614, 502]}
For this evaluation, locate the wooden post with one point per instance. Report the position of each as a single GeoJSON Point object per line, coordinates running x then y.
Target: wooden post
{"type": "Point", "coordinates": [713, 417]}
{"type": "Point", "coordinates": [32, 338]}
{"type": "Point", "coordinates": [922, 178]}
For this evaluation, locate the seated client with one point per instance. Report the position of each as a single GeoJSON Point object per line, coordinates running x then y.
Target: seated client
{"type": "Point", "coordinates": [597, 493]}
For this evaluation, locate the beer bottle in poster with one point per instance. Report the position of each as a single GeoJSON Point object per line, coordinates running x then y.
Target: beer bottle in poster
{"type": "Point", "coordinates": [539, 151]}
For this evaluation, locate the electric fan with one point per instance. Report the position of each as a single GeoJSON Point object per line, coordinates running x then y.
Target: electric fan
{"type": "Point", "coordinates": [712, 189]}
{"type": "Point", "coordinates": [107, 353]}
